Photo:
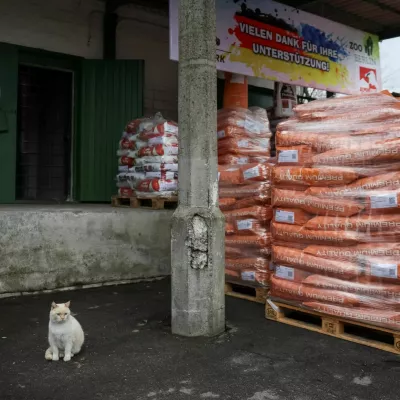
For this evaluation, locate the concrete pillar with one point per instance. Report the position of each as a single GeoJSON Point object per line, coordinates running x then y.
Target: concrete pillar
{"type": "Point", "coordinates": [198, 302]}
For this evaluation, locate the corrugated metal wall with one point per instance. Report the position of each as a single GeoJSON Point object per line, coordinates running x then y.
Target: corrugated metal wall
{"type": "Point", "coordinates": [112, 95]}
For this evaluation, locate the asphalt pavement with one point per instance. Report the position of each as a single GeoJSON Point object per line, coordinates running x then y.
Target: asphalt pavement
{"type": "Point", "coordinates": [130, 354]}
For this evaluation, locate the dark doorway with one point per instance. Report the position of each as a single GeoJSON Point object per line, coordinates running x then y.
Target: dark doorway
{"type": "Point", "coordinates": [44, 134]}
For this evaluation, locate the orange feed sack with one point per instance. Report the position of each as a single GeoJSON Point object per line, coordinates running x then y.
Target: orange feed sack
{"type": "Point", "coordinates": [235, 91]}
{"type": "Point", "coordinates": [354, 252]}
{"type": "Point", "coordinates": [263, 200]}
{"type": "Point", "coordinates": [293, 291]}
{"type": "Point", "coordinates": [226, 203]}
{"type": "Point", "coordinates": [389, 181]}
{"type": "Point", "coordinates": [360, 223]}
{"type": "Point", "coordinates": [298, 259]}
{"type": "Point", "coordinates": [347, 103]}
{"type": "Point", "coordinates": [240, 252]}
{"type": "Point", "coordinates": [305, 177]}
{"type": "Point", "coordinates": [244, 147]}
{"type": "Point", "coordinates": [257, 212]}
{"type": "Point", "coordinates": [229, 176]}
{"type": "Point", "coordinates": [248, 241]}
{"type": "Point", "coordinates": [298, 234]}
{"type": "Point", "coordinates": [315, 205]}
{"type": "Point", "coordinates": [322, 142]}
{"type": "Point", "coordinates": [257, 172]}
{"type": "Point", "coordinates": [231, 273]}
{"type": "Point", "coordinates": [253, 263]}
{"type": "Point", "coordinates": [389, 319]}
{"type": "Point", "coordinates": [369, 289]}
{"type": "Point", "coordinates": [388, 151]}
{"type": "Point", "coordinates": [234, 175]}
{"type": "Point", "coordinates": [260, 191]}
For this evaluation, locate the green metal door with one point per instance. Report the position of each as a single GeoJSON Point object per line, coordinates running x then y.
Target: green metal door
{"type": "Point", "coordinates": [112, 95]}
{"type": "Point", "coordinates": [8, 121]}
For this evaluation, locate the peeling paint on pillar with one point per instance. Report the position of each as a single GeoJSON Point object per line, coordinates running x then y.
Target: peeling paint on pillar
{"type": "Point", "coordinates": [197, 243]}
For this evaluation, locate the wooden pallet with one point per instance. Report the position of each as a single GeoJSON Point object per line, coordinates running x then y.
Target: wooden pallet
{"type": "Point", "coordinates": [137, 202]}
{"type": "Point", "coordinates": [256, 294]}
{"type": "Point", "coordinates": [357, 332]}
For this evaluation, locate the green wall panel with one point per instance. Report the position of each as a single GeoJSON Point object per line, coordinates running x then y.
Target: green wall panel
{"type": "Point", "coordinates": [8, 121]}
{"type": "Point", "coordinates": [111, 95]}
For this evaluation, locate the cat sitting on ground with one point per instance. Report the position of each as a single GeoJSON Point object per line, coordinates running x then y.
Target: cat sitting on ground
{"type": "Point", "coordinates": [66, 336]}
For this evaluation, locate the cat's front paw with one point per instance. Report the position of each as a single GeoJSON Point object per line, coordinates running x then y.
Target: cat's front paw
{"type": "Point", "coordinates": [55, 357]}
{"type": "Point", "coordinates": [67, 357]}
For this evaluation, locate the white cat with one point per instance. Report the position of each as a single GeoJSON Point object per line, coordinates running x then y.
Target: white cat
{"type": "Point", "coordinates": [66, 335]}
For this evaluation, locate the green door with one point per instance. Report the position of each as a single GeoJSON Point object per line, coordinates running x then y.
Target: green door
{"type": "Point", "coordinates": [111, 96]}
{"type": "Point", "coordinates": [8, 121]}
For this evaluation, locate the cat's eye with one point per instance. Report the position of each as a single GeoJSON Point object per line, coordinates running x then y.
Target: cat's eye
{"type": "Point", "coordinates": [58, 314]}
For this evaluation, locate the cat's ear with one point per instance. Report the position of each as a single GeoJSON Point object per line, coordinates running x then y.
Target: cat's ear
{"type": "Point", "coordinates": [67, 304]}
{"type": "Point", "coordinates": [53, 305]}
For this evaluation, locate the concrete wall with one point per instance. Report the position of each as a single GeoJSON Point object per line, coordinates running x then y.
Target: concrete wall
{"type": "Point", "coordinates": [75, 27]}
{"type": "Point", "coordinates": [51, 247]}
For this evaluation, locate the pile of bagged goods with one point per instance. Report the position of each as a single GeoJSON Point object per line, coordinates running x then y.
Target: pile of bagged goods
{"type": "Point", "coordinates": [148, 158]}
{"type": "Point", "coordinates": [335, 197]}
{"type": "Point", "coordinates": [244, 175]}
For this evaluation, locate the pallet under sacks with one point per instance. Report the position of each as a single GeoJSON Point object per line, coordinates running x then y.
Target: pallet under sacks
{"type": "Point", "coordinates": [244, 176]}
{"type": "Point", "coordinates": [148, 164]}
{"type": "Point", "coordinates": [336, 223]}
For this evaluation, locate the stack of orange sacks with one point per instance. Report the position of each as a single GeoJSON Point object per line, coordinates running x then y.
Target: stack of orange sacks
{"type": "Point", "coordinates": [336, 196]}
{"type": "Point", "coordinates": [244, 176]}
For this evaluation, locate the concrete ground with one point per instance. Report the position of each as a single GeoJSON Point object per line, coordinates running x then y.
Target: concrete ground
{"type": "Point", "coordinates": [131, 354]}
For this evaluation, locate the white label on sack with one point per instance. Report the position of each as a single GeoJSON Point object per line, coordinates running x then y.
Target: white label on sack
{"type": "Point", "coordinates": [167, 185]}
{"type": "Point", "coordinates": [221, 134]}
{"type": "Point", "coordinates": [251, 126]}
{"type": "Point", "coordinates": [248, 276]}
{"type": "Point", "coordinates": [243, 143]}
{"type": "Point", "coordinates": [251, 173]}
{"type": "Point", "coordinates": [284, 272]}
{"type": "Point", "coordinates": [384, 270]}
{"type": "Point", "coordinates": [288, 156]}
{"type": "Point", "coordinates": [219, 174]}
{"type": "Point", "coordinates": [170, 150]}
{"type": "Point", "coordinates": [171, 167]}
{"type": "Point", "coordinates": [384, 201]}
{"type": "Point", "coordinates": [170, 128]}
{"type": "Point", "coordinates": [243, 160]}
{"type": "Point", "coordinates": [244, 224]}
{"type": "Point", "coordinates": [284, 216]}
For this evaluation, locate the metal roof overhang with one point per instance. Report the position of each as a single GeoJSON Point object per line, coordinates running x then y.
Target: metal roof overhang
{"type": "Point", "coordinates": [381, 17]}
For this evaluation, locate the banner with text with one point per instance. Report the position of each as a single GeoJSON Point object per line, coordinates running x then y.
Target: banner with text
{"type": "Point", "coordinates": [269, 40]}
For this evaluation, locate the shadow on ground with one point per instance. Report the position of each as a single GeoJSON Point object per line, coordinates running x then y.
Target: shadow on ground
{"type": "Point", "coordinates": [130, 354]}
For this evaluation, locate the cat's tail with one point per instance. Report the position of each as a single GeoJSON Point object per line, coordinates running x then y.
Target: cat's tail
{"type": "Point", "coordinates": [49, 354]}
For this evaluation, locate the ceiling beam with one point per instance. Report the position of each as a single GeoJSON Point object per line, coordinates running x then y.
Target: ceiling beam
{"type": "Point", "coordinates": [383, 6]}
